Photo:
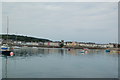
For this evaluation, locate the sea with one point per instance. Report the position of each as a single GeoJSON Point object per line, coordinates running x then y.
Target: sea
{"type": "Point", "coordinates": [34, 62]}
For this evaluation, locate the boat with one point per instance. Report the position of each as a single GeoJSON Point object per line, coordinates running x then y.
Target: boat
{"type": "Point", "coordinates": [5, 49]}
{"type": "Point", "coordinates": [107, 50]}
{"type": "Point", "coordinates": [35, 47]}
{"type": "Point", "coordinates": [16, 47]}
{"type": "Point", "coordinates": [84, 50]}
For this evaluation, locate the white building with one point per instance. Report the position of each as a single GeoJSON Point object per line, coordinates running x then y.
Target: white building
{"type": "Point", "coordinates": [56, 44]}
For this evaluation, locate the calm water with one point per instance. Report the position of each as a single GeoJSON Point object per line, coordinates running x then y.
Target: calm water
{"type": "Point", "coordinates": [60, 63]}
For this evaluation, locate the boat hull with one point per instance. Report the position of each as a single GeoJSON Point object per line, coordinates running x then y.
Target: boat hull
{"type": "Point", "coordinates": [107, 50]}
{"type": "Point", "coordinates": [6, 53]}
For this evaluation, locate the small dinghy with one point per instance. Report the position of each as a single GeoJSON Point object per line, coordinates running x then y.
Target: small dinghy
{"type": "Point", "coordinates": [107, 50]}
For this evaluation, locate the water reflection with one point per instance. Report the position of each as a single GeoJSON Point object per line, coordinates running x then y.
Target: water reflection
{"type": "Point", "coordinates": [60, 63]}
{"type": "Point", "coordinates": [36, 52]}
{"type": "Point", "coordinates": [30, 52]}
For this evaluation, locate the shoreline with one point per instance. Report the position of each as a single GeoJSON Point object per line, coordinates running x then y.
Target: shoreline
{"type": "Point", "coordinates": [72, 47]}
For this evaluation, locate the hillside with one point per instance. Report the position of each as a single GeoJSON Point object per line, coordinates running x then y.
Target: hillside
{"type": "Point", "coordinates": [23, 38]}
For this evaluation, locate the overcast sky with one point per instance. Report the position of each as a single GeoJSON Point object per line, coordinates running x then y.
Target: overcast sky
{"type": "Point", "coordinates": [69, 21]}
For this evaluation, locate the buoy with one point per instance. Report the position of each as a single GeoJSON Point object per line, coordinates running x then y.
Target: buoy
{"type": "Point", "coordinates": [11, 54]}
{"type": "Point", "coordinates": [69, 49]}
{"type": "Point", "coordinates": [86, 51]}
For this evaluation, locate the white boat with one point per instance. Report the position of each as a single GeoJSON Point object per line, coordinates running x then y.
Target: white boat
{"type": "Point", "coordinates": [35, 47]}
{"type": "Point", "coordinates": [16, 47]}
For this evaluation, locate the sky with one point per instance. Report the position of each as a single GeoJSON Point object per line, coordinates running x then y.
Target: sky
{"type": "Point", "coordinates": [70, 21]}
{"type": "Point", "coordinates": [0, 32]}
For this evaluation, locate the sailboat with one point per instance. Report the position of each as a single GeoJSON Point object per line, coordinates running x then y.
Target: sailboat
{"type": "Point", "coordinates": [5, 49]}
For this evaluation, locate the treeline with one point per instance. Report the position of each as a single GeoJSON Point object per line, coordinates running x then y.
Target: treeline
{"type": "Point", "coordinates": [23, 38]}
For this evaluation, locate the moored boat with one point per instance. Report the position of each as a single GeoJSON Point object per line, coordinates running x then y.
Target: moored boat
{"type": "Point", "coordinates": [16, 47]}
{"type": "Point", "coordinates": [6, 53]}
{"type": "Point", "coordinates": [107, 50]}
{"type": "Point", "coordinates": [5, 50]}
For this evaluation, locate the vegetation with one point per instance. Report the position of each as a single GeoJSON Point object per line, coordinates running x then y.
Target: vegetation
{"type": "Point", "coordinates": [23, 38]}
{"type": "Point", "coordinates": [61, 45]}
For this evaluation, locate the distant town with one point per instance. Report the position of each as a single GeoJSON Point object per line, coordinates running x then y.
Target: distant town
{"type": "Point", "coordinates": [21, 41]}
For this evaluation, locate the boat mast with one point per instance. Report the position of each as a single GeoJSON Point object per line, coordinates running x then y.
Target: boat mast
{"type": "Point", "coordinates": [7, 28]}
{"type": "Point", "coordinates": [16, 37]}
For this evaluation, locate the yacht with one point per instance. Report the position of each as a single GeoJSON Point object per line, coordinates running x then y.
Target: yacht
{"type": "Point", "coordinates": [5, 49]}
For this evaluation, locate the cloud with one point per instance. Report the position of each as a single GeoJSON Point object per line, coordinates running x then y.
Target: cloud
{"type": "Point", "coordinates": [1, 17]}
{"type": "Point", "coordinates": [82, 21]}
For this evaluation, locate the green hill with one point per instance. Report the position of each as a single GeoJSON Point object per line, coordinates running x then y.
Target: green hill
{"type": "Point", "coordinates": [23, 38]}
